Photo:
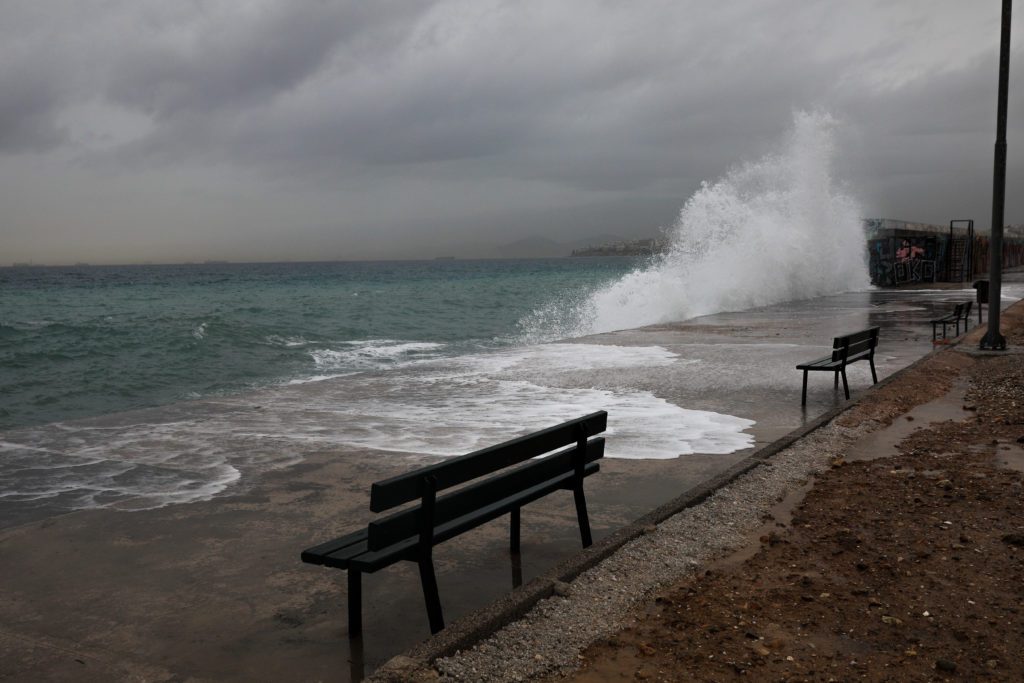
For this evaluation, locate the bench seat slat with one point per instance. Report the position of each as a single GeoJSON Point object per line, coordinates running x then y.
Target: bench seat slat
{"type": "Point", "coordinates": [825, 363]}
{"type": "Point", "coordinates": [317, 553]}
{"type": "Point", "coordinates": [390, 493]}
{"type": "Point", "coordinates": [391, 529]}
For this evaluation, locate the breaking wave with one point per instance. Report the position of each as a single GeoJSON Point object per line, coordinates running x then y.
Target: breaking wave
{"type": "Point", "coordinates": [777, 229]}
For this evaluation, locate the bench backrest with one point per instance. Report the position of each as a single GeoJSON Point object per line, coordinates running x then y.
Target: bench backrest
{"type": "Point", "coordinates": [855, 346]}
{"type": "Point", "coordinates": [393, 492]}
{"type": "Point", "coordinates": [467, 507]}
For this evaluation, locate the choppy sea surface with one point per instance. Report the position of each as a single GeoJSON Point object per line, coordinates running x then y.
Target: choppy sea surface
{"type": "Point", "coordinates": [84, 341]}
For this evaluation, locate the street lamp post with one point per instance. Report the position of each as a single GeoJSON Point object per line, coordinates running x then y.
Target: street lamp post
{"type": "Point", "coordinates": [993, 339]}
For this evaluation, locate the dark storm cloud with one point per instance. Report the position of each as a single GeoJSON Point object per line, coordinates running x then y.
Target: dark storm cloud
{"type": "Point", "coordinates": [349, 122]}
{"type": "Point", "coordinates": [245, 62]}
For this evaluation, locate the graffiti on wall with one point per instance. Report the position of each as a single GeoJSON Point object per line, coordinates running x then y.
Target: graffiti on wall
{"type": "Point", "coordinates": [899, 260]}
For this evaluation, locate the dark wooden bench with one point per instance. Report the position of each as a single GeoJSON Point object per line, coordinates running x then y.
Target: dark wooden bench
{"type": "Point", "coordinates": [411, 534]}
{"type": "Point", "coordinates": [960, 312]}
{"type": "Point", "coordinates": [847, 349]}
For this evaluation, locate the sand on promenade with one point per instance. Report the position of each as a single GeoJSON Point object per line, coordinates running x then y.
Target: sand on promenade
{"type": "Point", "coordinates": [898, 554]}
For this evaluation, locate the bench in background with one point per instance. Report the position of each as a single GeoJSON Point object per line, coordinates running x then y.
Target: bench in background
{"type": "Point", "coordinates": [411, 534]}
{"type": "Point", "coordinates": [960, 312]}
{"type": "Point", "coordinates": [846, 349]}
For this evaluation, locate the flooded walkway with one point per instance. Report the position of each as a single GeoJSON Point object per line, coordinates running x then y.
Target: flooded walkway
{"type": "Point", "coordinates": [215, 590]}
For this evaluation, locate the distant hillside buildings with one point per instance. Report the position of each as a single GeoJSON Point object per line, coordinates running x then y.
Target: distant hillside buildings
{"type": "Point", "coordinates": [645, 247]}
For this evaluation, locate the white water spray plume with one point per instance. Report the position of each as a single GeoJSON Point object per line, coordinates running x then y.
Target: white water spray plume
{"type": "Point", "coordinates": [776, 229]}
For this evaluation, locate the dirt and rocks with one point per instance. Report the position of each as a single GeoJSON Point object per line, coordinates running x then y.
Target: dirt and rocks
{"type": "Point", "coordinates": [902, 564]}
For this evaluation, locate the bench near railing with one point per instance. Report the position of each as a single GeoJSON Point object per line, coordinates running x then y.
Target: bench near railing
{"type": "Point", "coordinates": [846, 349]}
{"type": "Point", "coordinates": [412, 533]}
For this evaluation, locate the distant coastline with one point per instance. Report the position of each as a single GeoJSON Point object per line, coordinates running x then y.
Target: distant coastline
{"type": "Point", "coordinates": [644, 247]}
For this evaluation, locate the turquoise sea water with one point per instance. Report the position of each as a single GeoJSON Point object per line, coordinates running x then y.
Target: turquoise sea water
{"type": "Point", "coordinates": [91, 340]}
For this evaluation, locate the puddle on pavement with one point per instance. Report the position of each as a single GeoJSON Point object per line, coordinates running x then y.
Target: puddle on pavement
{"type": "Point", "coordinates": [875, 445]}
{"type": "Point", "coordinates": [780, 516]}
{"type": "Point", "coordinates": [883, 442]}
{"type": "Point", "coordinates": [1010, 456]}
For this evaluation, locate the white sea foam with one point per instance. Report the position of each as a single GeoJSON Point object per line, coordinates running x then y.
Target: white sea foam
{"type": "Point", "coordinates": [455, 406]}
{"type": "Point", "coordinates": [139, 466]}
{"type": "Point", "coordinates": [286, 342]}
{"type": "Point", "coordinates": [371, 353]}
{"type": "Point", "coordinates": [440, 407]}
{"type": "Point", "coordinates": [777, 229]}
{"type": "Point", "coordinates": [561, 358]}
{"type": "Point", "coordinates": [199, 331]}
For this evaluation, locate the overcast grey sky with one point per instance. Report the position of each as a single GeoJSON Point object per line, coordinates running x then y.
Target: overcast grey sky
{"type": "Point", "coordinates": [136, 130]}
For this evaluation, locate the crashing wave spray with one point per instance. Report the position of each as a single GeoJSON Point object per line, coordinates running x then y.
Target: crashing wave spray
{"type": "Point", "coordinates": [772, 230]}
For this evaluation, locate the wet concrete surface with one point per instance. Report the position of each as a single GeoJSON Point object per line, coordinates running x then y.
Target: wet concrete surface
{"type": "Point", "coordinates": [215, 590]}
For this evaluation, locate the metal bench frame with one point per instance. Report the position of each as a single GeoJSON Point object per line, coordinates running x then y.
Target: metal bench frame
{"type": "Point", "coordinates": [412, 533]}
{"type": "Point", "coordinates": [846, 349]}
{"type": "Point", "coordinates": [960, 312]}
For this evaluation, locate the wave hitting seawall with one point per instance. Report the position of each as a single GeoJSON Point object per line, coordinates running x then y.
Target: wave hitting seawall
{"type": "Point", "coordinates": [777, 229]}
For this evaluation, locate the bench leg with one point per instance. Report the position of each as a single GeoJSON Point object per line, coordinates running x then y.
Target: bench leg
{"type": "Point", "coordinates": [934, 327]}
{"type": "Point", "coordinates": [835, 385]}
{"type": "Point", "coordinates": [846, 385]}
{"type": "Point", "coordinates": [803, 396]}
{"type": "Point", "coordinates": [430, 595]}
{"type": "Point", "coordinates": [581, 514]}
{"type": "Point", "coordinates": [355, 603]}
{"type": "Point", "coordinates": [513, 543]}
{"type": "Point", "coordinates": [517, 570]}
{"type": "Point", "coordinates": [874, 377]}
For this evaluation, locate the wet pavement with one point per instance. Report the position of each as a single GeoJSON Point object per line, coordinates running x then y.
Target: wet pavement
{"type": "Point", "coordinates": [215, 589]}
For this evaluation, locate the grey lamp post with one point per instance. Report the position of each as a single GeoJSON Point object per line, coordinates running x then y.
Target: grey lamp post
{"type": "Point", "coordinates": [993, 339]}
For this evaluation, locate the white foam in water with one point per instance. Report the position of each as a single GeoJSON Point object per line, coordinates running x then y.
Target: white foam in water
{"type": "Point", "coordinates": [371, 353]}
{"type": "Point", "coordinates": [286, 342]}
{"type": "Point", "coordinates": [440, 407]}
{"type": "Point", "coordinates": [136, 467]}
{"type": "Point", "coordinates": [566, 357]}
{"type": "Point", "coordinates": [777, 229]}
{"type": "Point", "coordinates": [472, 401]}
